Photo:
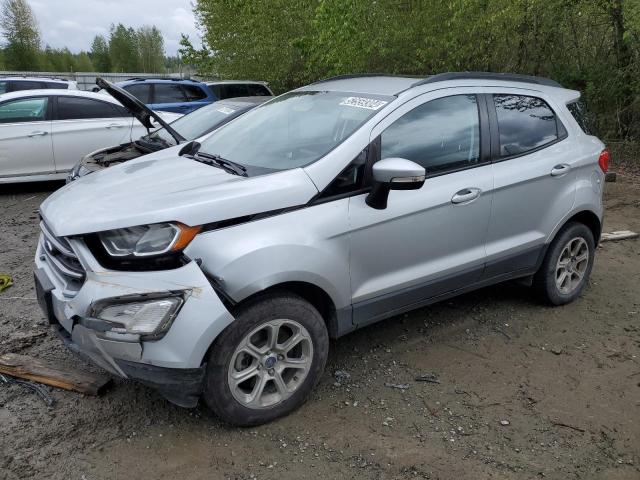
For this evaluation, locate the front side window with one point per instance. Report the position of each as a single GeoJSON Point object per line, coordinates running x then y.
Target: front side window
{"type": "Point", "coordinates": [76, 108]}
{"type": "Point", "coordinates": [24, 110]}
{"type": "Point", "coordinates": [168, 93]}
{"type": "Point", "coordinates": [524, 123]}
{"type": "Point", "coordinates": [293, 130]}
{"type": "Point", "coordinates": [440, 135]}
{"type": "Point", "coordinates": [141, 91]}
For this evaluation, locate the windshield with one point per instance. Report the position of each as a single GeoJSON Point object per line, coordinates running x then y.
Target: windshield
{"type": "Point", "coordinates": [196, 123]}
{"type": "Point", "coordinates": [293, 130]}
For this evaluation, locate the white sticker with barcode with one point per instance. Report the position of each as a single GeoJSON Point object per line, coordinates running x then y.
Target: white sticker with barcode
{"type": "Point", "coordinates": [361, 102]}
{"type": "Point", "coordinates": [226, 110]}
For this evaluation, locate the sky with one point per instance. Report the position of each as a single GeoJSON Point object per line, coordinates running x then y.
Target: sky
{"type": "Point", "coordinates": [74, 23]}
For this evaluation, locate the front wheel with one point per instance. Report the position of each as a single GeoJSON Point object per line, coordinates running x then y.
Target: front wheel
{"type": "Point", "coordinates": [265, 364]}
{"type": "Point", "coordinates": [567, 265]}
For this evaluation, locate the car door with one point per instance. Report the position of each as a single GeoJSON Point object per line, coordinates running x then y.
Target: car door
{"type": "Point", "coordinates": [82, 125]}
{"type": "Point", "coordinates": [535, 179]}
{"type": "Point", "coordinates": [25, 137]}
{"type": "Point", "coordinates": [430, 241]}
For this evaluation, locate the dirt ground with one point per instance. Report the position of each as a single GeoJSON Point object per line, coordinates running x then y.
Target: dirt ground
{"type": "Point", "coordinates": [525, 391]}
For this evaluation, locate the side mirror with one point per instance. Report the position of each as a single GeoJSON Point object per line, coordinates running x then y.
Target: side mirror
{"type": "Point", "coordinates": [393, 174]}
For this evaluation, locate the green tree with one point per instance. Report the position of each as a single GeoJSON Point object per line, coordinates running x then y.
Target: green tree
{"type": "Point", "coordinates": [21, 34]}
{"type": "Point", "coordinates": [150, 49]}
{"type": "Point", "coordinates": [123, 49]}
{"type": "Point", "coordinates": [100, 54]}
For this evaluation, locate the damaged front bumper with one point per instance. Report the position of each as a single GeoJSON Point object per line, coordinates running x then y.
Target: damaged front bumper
{"type": "Point", "coordinates": [172, 364]}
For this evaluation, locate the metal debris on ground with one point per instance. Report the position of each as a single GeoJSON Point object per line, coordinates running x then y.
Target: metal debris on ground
{"type": "Point", "coordinates": [341, 376]}
{"type": "Point", "coordinates": [5, 281]}
{"type": "Point", "coordinates": [37, 389]}
{"type": "Point", "coordinates": [428, 377]}
{"type": "Point", "coordinates": [399, 386]}
{"type": "Point", "coordinates": [618, 235]}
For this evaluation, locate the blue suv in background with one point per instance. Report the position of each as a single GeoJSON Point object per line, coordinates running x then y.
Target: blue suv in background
{"type": "Point", "coordinates": [169, 95]}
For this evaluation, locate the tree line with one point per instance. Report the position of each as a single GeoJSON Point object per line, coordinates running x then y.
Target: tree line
{"type": "Point", "coordinates": [125, 49]}
{"type": "Point", "coordinates": [589, 45]}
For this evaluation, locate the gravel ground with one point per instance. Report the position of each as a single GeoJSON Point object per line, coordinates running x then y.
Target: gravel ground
{"type": "Point", "coordinates": [525, 391]}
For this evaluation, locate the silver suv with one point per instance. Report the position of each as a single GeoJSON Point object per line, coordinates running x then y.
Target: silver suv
{"type": "Point", "coordinates": [219, 269]}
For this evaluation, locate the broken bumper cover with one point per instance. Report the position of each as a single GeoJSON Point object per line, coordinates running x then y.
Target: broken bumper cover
{"type": "Point", "coordinates": [172, 364]}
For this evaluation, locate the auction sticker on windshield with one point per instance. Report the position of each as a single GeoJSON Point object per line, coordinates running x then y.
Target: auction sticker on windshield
{"type": "Point", "coordinates": [362, 102]}
{"type": "Point", "coordinates": [225, 110]}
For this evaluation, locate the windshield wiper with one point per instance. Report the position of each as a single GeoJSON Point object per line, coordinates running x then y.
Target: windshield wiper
{"type": "Point", "coordinates": [228, 165]}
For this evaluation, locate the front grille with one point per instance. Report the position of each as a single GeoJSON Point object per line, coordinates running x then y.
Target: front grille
{"type": "Point", "coordinates": [57, 252]}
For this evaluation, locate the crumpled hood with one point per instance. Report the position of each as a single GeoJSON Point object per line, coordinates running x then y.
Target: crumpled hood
{"type": "Point", "coordinates": [166, 187]}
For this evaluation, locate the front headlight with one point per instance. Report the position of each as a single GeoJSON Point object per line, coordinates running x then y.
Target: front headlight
{"type": "Point", "coordinates": [147, 240]}
{"type": "Point", "coordinates": [148, 318]}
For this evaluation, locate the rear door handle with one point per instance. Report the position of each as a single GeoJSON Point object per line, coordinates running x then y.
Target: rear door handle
{"type": "Point", "coordinates": [37, 134]}
{"type": "Point", "coordinates": [560, 170]}
{"type": "Point", "coordinates": [115, 125]}
{"type": "Point", "coordinates": [466, 195]}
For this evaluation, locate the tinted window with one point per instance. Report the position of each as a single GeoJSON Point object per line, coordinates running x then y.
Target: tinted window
{"type": "Point", "coordinates": [351, 179]}
{"type": "Point", "coordinates": [579, 112]}
{"type": "Point", "coordinates": [440, 135]}
{"type": "Point", "coordinates": [194, 93]}
{"type": "Point", "coordinates": [3, 87]}
{"type": "Point", "coordinates": [525, 123]}
{"type": "Point", "coordinates": [257, 90]}
{"type": "Point", "coordinates": [168, 93]}
{"type": "Point", "coordinates": [75, 108]}
{"type": "Point", "coordinates": [140, 91]}
{"type": "Point", "coordinates": [15, 86]}
{"type": "Point", "coordinates": [24, 110]}
{"type": "Point", "coordinates": [52, 85]}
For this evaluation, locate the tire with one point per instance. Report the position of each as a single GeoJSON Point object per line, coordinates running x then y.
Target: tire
{"type": "Point", "coordinates": [244, 360]}
{"type": "Point", "coordinates": [560, 283]}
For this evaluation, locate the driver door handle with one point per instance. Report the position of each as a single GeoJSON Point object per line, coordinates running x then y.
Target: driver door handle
{"type": "Point", "coordinates": [466, 195]}
{"type": "Point", "coordinates": [115, 125]}
{"type": "Point", "coordinates": [37, 134]}
{"type": "Point", "coordinates": [560, 170]}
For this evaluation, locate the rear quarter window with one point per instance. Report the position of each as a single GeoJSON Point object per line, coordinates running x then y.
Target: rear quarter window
{"type": "Point", "coordinates": [579, 112]}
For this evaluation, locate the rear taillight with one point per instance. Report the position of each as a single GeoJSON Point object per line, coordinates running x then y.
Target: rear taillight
{"type": "Point", "coordinates": [603, 161]}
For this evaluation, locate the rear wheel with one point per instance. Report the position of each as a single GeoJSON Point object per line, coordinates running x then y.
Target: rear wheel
{"type": "Point", "coordinates": [566, 267]}
{"type": "Point", "coordinates": [266, 362]}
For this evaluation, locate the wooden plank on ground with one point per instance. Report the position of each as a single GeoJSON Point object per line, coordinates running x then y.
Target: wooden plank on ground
{"type": "Point", "coordinates": [619, 235]}
{"type": "Point", "coordinates": [36, 370]}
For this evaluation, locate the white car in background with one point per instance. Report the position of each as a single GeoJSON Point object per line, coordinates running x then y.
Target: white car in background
{"type": "Point", "coordinates": [43, 133]}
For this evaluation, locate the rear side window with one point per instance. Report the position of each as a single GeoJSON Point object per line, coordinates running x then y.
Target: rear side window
{"type": "Point", "coordinates": [525, 124]}
{"type": "Point", "coordinates": [256, 90]}
{"type": "Point", "coordinates": [24, 110]}
{"type": "Point", "coordinates": [53, 85]}
{"type": "Point", "coordinates": [581, 115]}
{"type": "Point", "coordinates": [440, 135]}
{"type": "Point", "coordinates": [194, 93]}
{"type": "Point", "coordinates": [75, 108]}
{"type": "Point", "coordinates": [141, 91]}
{"type": "Point", "coordinates": [168, 93]}
{"type": "Point", "coordinates": [3, 87]}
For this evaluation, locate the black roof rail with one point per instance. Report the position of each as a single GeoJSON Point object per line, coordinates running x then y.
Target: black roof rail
{"type": "Point", "coordinates": [505, 77]}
